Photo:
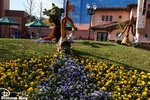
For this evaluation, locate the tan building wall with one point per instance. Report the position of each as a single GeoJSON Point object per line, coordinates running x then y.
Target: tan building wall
{"type": "Point", "coordinates": [146, 34]}
{"type": "Point", "coordinates": [113, 35]}
{"type": "Point", "coordinates": [133, 12]}
{"type": "Point", "coordinates": [126, 15]}
{"type": "Point", "coordinates": [97, 18]}
{"type": "Point", "coordinates": [118, 15]}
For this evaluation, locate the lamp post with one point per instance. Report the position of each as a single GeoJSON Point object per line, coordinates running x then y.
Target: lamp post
{"type": "Point", "coordinates": [90, 11]}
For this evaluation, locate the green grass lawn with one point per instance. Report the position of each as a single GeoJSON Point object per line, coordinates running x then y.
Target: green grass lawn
{"type": "Point", "coordinates": [108, 52]}
{"type": "Point", "coordinates": [25, 65]}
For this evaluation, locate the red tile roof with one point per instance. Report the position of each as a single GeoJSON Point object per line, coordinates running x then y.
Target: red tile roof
{"type": "Point", "coordinates": [112, 8]}
{"type": "Point", "coordinates": [108, 26]}
{"type": "Point", "coordinates": [82, 26]}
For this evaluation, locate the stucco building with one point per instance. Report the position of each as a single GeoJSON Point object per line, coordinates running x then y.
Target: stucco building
{"type": "Point", "coordinates": [109, 21]}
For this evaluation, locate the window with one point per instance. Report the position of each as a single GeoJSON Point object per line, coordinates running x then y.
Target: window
{"type": "Point", "coordinates": [107, 18]}
{"type": "Point", "coordinates": [103, 18]}
{"type": "Point", "coordinates": [120, 17]}
{"type": "Point", "coordinates": [144, 7]}
{"type": "Point", "coordinates": [111, 18]}
{"type": "Point", "coordinates": [102, 36]}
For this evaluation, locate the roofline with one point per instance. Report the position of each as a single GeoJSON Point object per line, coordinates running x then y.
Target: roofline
{"type": "Point", "coordinates": [131, 5]}
{"type": "Point", "coordinates": [128, 7]}
{"type": "Point", "coordinates": [112, 8]}
{"type": "Point", "coordinates": [110, 27]}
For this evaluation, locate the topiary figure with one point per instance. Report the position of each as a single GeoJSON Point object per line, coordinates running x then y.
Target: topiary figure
{"type": "Point", "coordinates": [54, 17]}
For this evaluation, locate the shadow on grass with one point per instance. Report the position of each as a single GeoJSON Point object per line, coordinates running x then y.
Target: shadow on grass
{"type": "Point", "coordinates": [5, 51]}
{"type": "Point", "coordinates": [7, 55]}
{"type": "Point", "coordinates": [4, 54]}
{"type": "Point", "coordinates": [79, 53]}
{"type": "Point", "coordinates": [95, 44]}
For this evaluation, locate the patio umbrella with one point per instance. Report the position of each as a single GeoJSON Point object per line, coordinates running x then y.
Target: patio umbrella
{"type": "Point", "coordinates": [36, 23]}
{"type": "Point", "coordinates": [68, 26]}
{"type": "Point", "coordinates": [8, 21]}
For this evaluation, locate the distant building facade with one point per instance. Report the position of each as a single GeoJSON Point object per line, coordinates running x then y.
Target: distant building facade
{"type": "Point", "coordinates": [79, 12]}
{"type": "Point", "coordinates": [19, 16]}
{"type": "Point", "coordinates": [108, 18]}
{"type": "Point", "coordinates": [107, 21]}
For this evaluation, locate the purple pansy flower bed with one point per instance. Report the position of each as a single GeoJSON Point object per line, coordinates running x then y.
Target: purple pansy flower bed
{"type": "Point", "coordinates": [70, 80]}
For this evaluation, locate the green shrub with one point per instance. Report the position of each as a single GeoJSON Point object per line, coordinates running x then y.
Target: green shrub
{"type": "Point", "coordinates": [118, 41]}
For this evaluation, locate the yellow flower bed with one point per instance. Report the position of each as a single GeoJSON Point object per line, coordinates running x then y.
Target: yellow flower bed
{"type": "Point", "coordinates": [124, 84]}
{"type": "Point", "coordinates": [24, 75]}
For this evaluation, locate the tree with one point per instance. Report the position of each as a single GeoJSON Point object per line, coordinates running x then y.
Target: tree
{"type": "Point", "coordinates": [46, 21]}
{"type": "Point", "coordinates": [40, 10]}
{"type": "Point", "coordinates": [30, 18]}
{"type": "Point", "coordinates": [29, 9]}
{"type": "Point", "coordinates": [121, 25]}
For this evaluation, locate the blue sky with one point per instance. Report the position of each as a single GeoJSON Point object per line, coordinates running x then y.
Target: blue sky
{"type": "Point", "coordinates": [80, 8]}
